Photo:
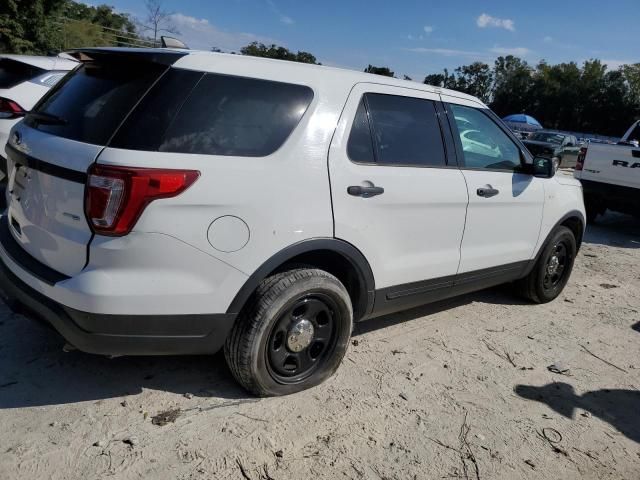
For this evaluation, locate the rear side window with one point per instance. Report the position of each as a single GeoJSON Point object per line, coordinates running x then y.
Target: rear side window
{"type": "Point", "coordinates": [215, 115]}
{"type": "Point", "coordinates": [12, 72]}
{"type": "Point", "coordinates": [89, 105]}
{"type": "Point", "coordinates": [404, 131]}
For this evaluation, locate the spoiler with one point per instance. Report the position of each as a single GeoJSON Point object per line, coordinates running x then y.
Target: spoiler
{"type": "Point", "coordinates": [151, 55]}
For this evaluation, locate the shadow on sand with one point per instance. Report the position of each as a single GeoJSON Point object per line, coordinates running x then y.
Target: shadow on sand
{"type": "Point", "coordinates": [617, 407]}
{"type": "Point", "coordinates": [34, 371]}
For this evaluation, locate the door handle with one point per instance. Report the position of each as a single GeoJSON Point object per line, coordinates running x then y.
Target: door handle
{"type": "Point", "coordinates": [487, 191]}
{"type": "Point", "coordinates": [364, 192]}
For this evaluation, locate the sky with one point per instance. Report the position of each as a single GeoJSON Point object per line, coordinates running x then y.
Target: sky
{"type": "Point", "coordinates": [412, 37]}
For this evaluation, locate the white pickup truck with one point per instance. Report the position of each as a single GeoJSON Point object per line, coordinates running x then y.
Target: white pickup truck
{"type": "Point", "coordinates": [610, 175]}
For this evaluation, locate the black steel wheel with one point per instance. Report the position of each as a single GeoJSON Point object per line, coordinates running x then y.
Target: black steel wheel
{"type": "Point", "coordinates": [556, 266]}
{"type": "Point", "coordinates": [553, 267]}
{"type": "Point", "coordinates": [302, 338]}
{"type": "Point", "coordinates": [292, 334]}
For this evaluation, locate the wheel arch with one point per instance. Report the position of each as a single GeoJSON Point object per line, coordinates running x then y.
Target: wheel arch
{"type": "Point", "coordinates": [337, 257]}
{"type": "Point", "coordinates": [574, 221]}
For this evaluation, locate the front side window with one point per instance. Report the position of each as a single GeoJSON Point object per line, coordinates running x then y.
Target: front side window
{"type": "Point", "coordinates": [484, 144]}
{"type": "Point", "coordinates": [397, 131]}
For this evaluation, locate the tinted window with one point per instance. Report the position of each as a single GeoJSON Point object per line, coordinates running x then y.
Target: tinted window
{"type": "Point", "coordinates": [360, 146]}
{"type": "Point", "coordinates": [484, 144]}
{"type": "Point", "coordinates": [226, 115]}
{"type": "Point", "coordinates": [13, 72]}
{"type": "Point", "coordinates": [95, 99]}
{"type": "Point", "coordinates": [405, 131]}
{"type": "Point", "coordinates": [147, 124]}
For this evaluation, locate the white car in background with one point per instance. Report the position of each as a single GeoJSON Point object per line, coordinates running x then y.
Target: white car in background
{"type": "Point", "coordinates": [24, 79]}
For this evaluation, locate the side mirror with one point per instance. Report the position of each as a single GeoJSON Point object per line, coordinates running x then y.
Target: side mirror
{"type": "Point", "coordinates": [543, 167]}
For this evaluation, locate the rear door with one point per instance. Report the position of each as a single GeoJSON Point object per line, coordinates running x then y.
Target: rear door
{"type": "Point", "coordinates": [505, 205]}
{"type": "Point", "coordinates": [395, 196]}
{"type": "Point", "coordinates": [50, 151]}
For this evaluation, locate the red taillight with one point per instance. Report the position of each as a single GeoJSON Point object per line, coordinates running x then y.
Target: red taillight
{"type": "Point", "coordinates": [115, 197]}
{"type": "Point", "coordinates": [10, 109]}
{"type": "Point", "coordinates": [581, 156]}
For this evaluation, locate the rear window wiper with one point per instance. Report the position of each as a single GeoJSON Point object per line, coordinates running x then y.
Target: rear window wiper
{"type": "Point", "coordinates": [46, 118]}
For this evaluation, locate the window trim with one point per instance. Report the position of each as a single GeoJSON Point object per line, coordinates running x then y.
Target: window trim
{"type": "Point", "coordinates": [524, 155]}
{"type": "Point", "coordinates": [374, 144]}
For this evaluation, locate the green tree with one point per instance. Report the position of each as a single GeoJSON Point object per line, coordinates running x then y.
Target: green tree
{"type": "Point", "coordinates": [443, 80]}
{"type": "Point", "coordinates": [512, 86]}
{"type": "Point", "coordinates": [47, 26]}
{"type": "Point", "coordinates": [82, 33]}
{"type": "Point", "coordinates": [25, 25]}
{"type": "Point", "coordinates": [632, 78]}
{"type": "Point", "coordinates": [256, 49]}
{"type": "Point", "coordinates": [475, 79]}
{"type": "Point", "coordinates": [385, 71]}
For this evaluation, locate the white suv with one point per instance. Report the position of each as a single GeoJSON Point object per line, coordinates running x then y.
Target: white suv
{"type": "Point", "coordinates": [175, 202]}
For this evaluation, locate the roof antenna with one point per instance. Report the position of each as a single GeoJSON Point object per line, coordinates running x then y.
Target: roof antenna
{"type": "Point", "coordinates": [170, 42]}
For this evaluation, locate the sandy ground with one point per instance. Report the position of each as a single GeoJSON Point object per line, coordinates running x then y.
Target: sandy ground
{"type": "Point", "coordinates": [454, 390]}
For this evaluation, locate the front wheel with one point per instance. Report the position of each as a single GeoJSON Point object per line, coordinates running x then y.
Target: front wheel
{"type": "Point", "coordinates": [552, 269]}
{"type": "Point", "coordinates": [293, 333]}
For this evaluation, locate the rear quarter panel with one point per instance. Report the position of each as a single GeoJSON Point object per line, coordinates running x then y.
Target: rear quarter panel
{"type": "Point", "coordinates": [283, 198]}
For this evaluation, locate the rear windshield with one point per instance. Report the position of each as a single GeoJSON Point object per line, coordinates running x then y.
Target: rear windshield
{"type": "Point", "coordinates": [90, 104]}
{"type": "Point", "coordinates": [12, 72]}
{"type": "Point", "coordinates": [192, 112]}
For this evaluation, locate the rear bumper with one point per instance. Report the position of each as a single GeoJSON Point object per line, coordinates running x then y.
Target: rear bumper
{"type": "Point", "coordinates": [36, 290]}
{"type": "Point", "coordinates": [118, 334]}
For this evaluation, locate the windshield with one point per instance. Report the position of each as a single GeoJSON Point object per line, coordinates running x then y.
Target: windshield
{"type": "Point", "coordinates": [555, 138]}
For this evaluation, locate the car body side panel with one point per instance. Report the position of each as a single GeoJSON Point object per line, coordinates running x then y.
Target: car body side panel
{"type": "Point", "coordinates": [563, 195]}
{"type": "Point", "coordinates": [282, 198]}
{"type": "Point", "coordinates": [150, 274]}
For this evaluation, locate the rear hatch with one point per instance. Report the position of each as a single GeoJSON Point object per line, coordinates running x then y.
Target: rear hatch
{"type": "Point", "coordinates": [50, 151]}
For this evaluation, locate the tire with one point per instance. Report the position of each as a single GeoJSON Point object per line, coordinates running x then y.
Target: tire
{"type": "Point", "coordinates": [273, 351]}
{"type": "Point", "coordinates": [542, 286]}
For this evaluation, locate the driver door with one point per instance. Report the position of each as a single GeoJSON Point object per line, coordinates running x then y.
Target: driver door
{"type": "Point", "coordinates": [505, 206]}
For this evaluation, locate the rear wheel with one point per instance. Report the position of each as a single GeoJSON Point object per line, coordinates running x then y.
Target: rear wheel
{"type": "Point", "coordinates": [293, 333]}
{"type": "Point", "coordinates": [552, 269]}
